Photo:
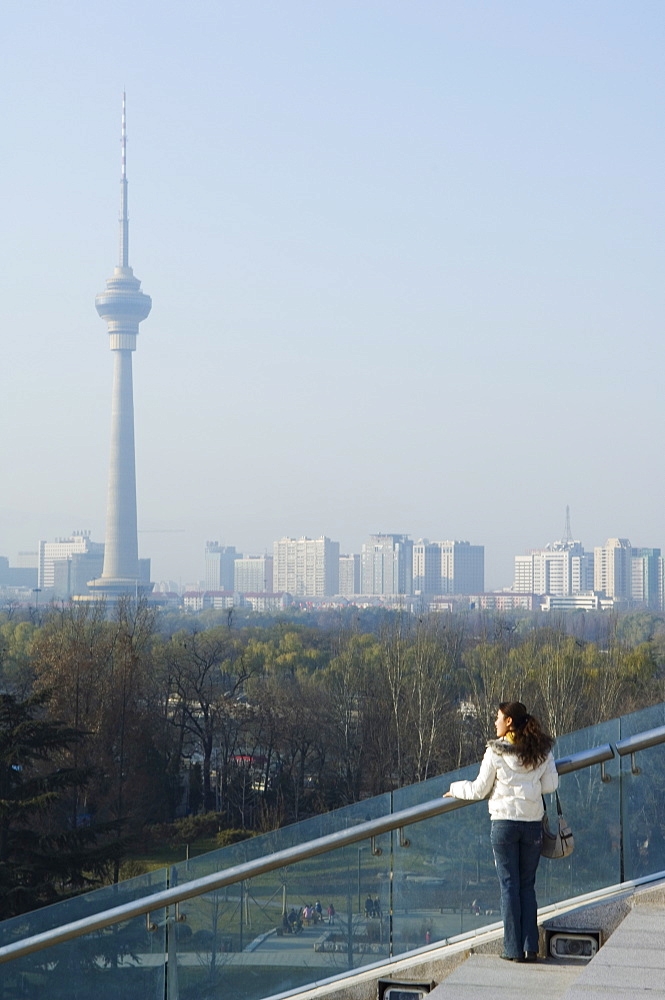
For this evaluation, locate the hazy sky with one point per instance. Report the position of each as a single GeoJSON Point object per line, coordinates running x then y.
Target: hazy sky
{"type": "Point", "coordinates": [406, 262]}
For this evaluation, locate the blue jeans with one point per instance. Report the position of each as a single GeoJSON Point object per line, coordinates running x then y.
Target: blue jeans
{"type": "Point", "coordinates": [516, 847]}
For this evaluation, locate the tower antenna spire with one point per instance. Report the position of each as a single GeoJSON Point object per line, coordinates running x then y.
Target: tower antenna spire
{"type": "Point", "coordinates": [124, 220]}
{"type": "Point", "coordinates": [567, 534]}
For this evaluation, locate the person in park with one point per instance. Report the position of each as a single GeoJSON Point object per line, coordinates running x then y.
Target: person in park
{"type": "Point", "coordinates": [517, 770]}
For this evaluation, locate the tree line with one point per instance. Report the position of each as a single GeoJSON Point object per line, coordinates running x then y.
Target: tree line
{"type": "Point", "coordinates": [115, 721]}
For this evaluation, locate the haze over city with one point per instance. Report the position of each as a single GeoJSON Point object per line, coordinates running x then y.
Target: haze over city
{"type": "Point", "coordinates": [405, 263]}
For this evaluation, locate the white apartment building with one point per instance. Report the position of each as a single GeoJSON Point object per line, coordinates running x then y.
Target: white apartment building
{"type": "Point", "coordinates": [306, 567]}
{"type": "Point", "coordinates": [267, 602]}
{"type": "Point", "coordinates": [503, 600]}
{"type": "Point", "coordinates": [462, 567]}
{"type": "Point", "coordinates": [577, 602]}
{"type": "Point", "coordinates": [349, 575]}
{"type": "Point", "coordinates": [613, 568]}
{"type": "Point", "coordinates": [647, 579]}
{"type": "Point", "coordinates": [253, 574]}
{"type": "Point", "coordinates": [62, 548]}
{"type": "Point", "coordinates": [197, 600]}
{"type": "Point", "coordinates": [387, 565]}
{"type": "Point", "coordinates": [559, 569]}
{"type": "Point", "coordinates": [615, 572]}
{"type": "Point", "coordinates": [427, 567]}
{"type": "Point", "coordinates": [220, 566]}
{"type": "Point", "coordinates": [450, 567]}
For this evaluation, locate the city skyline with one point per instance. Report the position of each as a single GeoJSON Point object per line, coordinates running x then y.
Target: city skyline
{"type": "Point", "coordinates": [406, 264]}
{"type": "Point", "coordinates": [387, 563]}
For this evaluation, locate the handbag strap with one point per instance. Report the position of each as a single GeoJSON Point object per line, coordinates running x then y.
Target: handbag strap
{"type": "Point", "coordinates": [558, 804]}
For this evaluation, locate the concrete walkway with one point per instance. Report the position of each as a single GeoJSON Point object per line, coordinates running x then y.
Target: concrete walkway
{"type": "Point", "coordinates": [488, 976]}
{"type": "Point", "coordinates": [629, 966]}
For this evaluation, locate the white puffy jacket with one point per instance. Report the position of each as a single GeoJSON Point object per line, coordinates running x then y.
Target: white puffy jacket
{"type": "Point", "coordinates": [514, 790]}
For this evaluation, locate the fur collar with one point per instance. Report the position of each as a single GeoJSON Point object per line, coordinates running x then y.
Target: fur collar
{"type": "Point", "coordinates": [503, 747]}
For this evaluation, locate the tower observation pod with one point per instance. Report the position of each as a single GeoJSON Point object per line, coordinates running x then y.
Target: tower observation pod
{"type": "Point", "coordinates": [122, 306]}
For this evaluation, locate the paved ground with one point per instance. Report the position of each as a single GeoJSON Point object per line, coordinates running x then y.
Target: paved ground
{"type": "Point", "coordinates": [274, 950]}
{"type": "Point", "coordinates": [629, 966]}
{"type": "Point", "coordinates": [487, 977]}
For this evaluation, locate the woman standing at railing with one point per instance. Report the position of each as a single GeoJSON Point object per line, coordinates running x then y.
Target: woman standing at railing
{"type": "Point", "coordinates": [517, 769]}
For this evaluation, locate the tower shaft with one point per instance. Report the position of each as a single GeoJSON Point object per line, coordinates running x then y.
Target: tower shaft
{"type": "Point", "coordinates": [121, 557]}
{"type": "Point", "coordinates": [123, 306]}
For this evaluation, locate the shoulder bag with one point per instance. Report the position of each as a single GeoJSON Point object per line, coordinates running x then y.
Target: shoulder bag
{"type": "Point", "coordinates": [557, 843]}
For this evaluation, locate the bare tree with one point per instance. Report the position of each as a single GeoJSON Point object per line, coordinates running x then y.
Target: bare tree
{"type": "Point", "coordinates": [205, 674]}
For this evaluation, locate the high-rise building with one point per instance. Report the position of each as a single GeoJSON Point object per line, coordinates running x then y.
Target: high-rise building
{"type": "Point", "coordinates": [220, 566]}
{"type": "Point", "coordinates": [613, 568]}
{"type": "Point", "coordinates": [560, 569]}
{"type": "Point", "coordinates": [427, 567]}
{"type": "Point", "coordinates": [452, 567]}
{"type": "Point", "coordinates": [462, 568]}
{"type": "Point", "coordinates": [349, 575]}
{"type": "Point", "coordinates": [387, 565]}
{"type": "Point", "coordinates": [581, 571]}
{"type": "Point", "coordinates": [122, 306]}
{"type": "Point", "coordinates": [306, 567]}
{"type": "Point", "coordinates": [71, 575]}
{"type": "Point", "coordinates": [647, 578]}
{"type": "Point", "coordinates": [253, 574]}
{"type": "Point", "coordinates": [63, 549]}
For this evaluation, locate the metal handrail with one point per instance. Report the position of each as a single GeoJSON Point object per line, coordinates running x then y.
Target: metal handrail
{"type": "Point", "coordinates": [641, 741]}
{"type": "Point", "coordinates": [585, 758]}
{"type": "Point", "coordinates": [279, 859]}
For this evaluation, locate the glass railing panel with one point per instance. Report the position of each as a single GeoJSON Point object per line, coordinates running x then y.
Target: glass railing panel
{"type": "Point", "coordinates": [283, 838]}
{"type": "Point", "coordinates": [258, 938]}
{"type": "Point", "coordinates": [443, 881]}
{"type": "Point", "coordinates": [445, 884]}
{"type": "Point", "coordinates": [592, 809]}
{"type": "Point", "coordinates": [643, 811]}
{"type": "Point", "coordinates": [239, 942]}
{"type": "Point", "coordinates": [125, 960]}
{"type": "Point", "coordinates": [643, 798]}
{"type": "Point", "coordinates": [642, 721]}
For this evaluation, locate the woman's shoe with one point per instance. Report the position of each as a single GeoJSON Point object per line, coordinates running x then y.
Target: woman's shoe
{"type": "Point", "coordinates": [509, 958]}
{"type": "Point", "coordinates": [530, 956]}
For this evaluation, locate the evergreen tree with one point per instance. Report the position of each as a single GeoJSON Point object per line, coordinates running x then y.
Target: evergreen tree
{"type": "Point", "coordinates": [44, 856]}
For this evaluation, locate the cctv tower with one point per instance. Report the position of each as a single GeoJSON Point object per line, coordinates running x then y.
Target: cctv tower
{"type": "Point", "coordinates": [122, 306]}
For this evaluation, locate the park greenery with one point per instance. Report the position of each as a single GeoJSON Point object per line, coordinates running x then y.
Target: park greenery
{"type": "Point", "coordinates": [128, 732]}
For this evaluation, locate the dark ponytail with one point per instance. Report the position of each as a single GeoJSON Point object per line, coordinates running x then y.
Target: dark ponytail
{"type": "Point", "coordinates": [532, 743]}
